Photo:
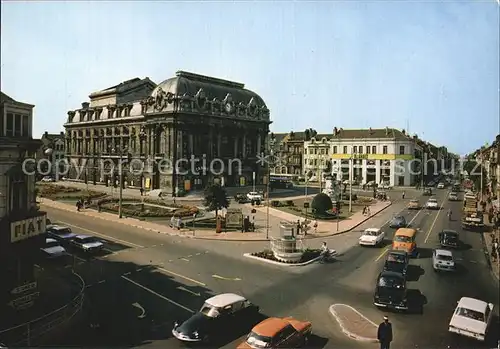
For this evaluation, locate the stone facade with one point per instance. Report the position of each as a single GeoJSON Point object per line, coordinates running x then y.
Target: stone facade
{"type": "Point", "coordinates": [21, 223]}
{"type": "Point", "coordinates": [53, 151]}
{"type": "Point", "coordinates": [289, 149]}
{"type": "Point", "coordinates": [186, 132]}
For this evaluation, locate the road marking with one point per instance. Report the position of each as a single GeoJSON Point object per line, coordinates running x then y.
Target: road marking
{"type": "Point", "coordinates": [190, 256]}
{"type": "Point", "coordinates": [188, 291]}
{"type": "Point", "coordinates": [182, 276]}
{"type": "Point", "coordinates": [131, 244]}
{"type": "Point", "coordinates": [215, 276]}
{"type": "Point", "coordinates": [198, 254]}
{"type": "Point", "coordinates": [384, 251]}
{"type": "Point", "coordinates": [128, 273]}
{"type": "Point", "coordinates": [139, 269]}
{"type": "Point", "coordinates": [433, 223]}
{"type": "Point", "coordinates": [102, 281]}
{"type": "Point", "coordinates": [143, 311]}
{"type": "Point", "coordinates": [67, 266]}
{"type": "Point", "coordinates": [157, 294]}
{"type": "Point", "coordinates": [87, 286]}
{"type": "Point", "coordinates": [473, 261]}
{"type": "Point", "coordinates": [184, 259]}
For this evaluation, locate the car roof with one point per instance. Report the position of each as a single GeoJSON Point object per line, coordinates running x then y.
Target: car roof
{"type": "Point", "coordinates": [373, 229]}
{"type": "Point", "coordinates": [448, 231]}
{"type": "Point", "coordinates": [50, 240]}
{"type": "Point", "coordinates": [269, 327]}
{"type": "Point", "coordinates": [401, 252]}
{"type": "Point", "coordinates": [432, 199]}
{"type": "Point", "coordinates": [391, 274]}
{"type": "Point", "coordinates": [443, 252]}
{"type": "Point", "coordinates": [224, 299]}
{"type": "Point", "coordinates": [83, 236]}
{"type": "Point", "coordinates": [56, 227]}
{"type": "Point", "coordinates": [472, 304]}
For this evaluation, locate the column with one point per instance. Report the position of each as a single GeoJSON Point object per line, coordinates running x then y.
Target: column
{"type": "Point", "coordinates": [219, 140]}
{"type": "Point", "coordinates": [364, 172]}
{"type": "Point", "coordinates": [259, 143]}
{"type": "Point", "coordinates": [244, 146]}
{"type": "Point", "coordinates": [191, 143]}
{"type": "Point", "coordinates": [393, 179]}
{"type": "Point", "coordinates": [235, 146]}
{"type": "Point", "coordinates": [210, 143]}
{"type": "Point", "coordinates": [377, 173]}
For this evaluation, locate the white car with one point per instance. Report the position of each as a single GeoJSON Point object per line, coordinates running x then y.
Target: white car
{"type": "Point", "coordinates": [471, 318]}
{"type": "Point", "coordinates": [432, 204]}
{"type": "Point", "coordinates": [254, 196]}
{"type": "Point", "coordinates": [53, 249]}
{"type": "Point", "coordinates": [87, 244]}
{"type": "Point", "coordinates": [443, 260]}
{"type": "Point", "coordinates": [372, 237]}
{"type": "Point", "coordinates": [47, 179]}
{"type": "Point", "coordinates": [440, 185]}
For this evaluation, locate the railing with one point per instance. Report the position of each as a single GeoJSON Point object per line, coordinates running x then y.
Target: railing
{"type": "Point", "coordinates": [29, 333]}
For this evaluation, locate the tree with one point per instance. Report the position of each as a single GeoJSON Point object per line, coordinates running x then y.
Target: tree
{"type": "Point", "coordinates": [321, 203]}
{"type": "Point", "coordinates": [474, 169]}
{"type": "Point", "coordinates": [215, 198]}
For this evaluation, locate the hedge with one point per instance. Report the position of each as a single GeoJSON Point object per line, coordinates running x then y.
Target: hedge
{"type": "Point", "coordinates": [111, 204]}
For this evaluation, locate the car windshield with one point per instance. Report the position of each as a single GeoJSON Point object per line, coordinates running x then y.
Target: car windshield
{"type": "Point", "coordinates": [258, 341]}
{"type": "Point", "coordinates": [402, 238]}
{"type": "Point", "coordinates": [432, 201]}
{"type": "Point", "coordinates": [390, 282]}
{"type": "Point", "coordinates": [414, 201]}
{"type": "Point", "coordinates": [209, 311]}
{"type": "Point", "coordinates": [450, 237]}
{"type": "Point", "coordinates": [62, 231]}
{"type": "Point", "coordinates": [396, 258]}
{"type": "Point", "coordinates": [51, 244]}
{"type": "Point", "coordinates": [370, 233]}
{"type": "Point", "coordinates": [88, 240]}
{"type": "Point", "coordinates": [471, 314]}
{"type": "Point", "coordinates": [444, 257]}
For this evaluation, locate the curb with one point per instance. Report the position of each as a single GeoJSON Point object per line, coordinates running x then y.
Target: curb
{"type": "Point", "coordinates": [212, 238]}
{"type": "Point", "coordinates": [347, 332]}
{"type": "Point", "coordinates": [263, 260]}
{"type": "Point", "coordinates": [488, 258]}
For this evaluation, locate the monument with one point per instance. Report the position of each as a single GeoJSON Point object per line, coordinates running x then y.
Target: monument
{"type": "Point", "coordinates": [332, 189]}
{"type": "Point", "coordinates": [285, 248]}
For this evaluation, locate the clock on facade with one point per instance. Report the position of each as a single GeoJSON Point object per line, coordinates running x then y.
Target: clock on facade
{"type": "Point", "coordinates": [229, 107]}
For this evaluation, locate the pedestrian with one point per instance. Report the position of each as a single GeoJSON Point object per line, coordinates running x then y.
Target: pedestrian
{"type": "Point", "coordinates": [384, 333]}
{"type": "Point", "coordinates": [298, 226]}
{"type": "Point", "coordinates": [142, 191]}
{"type": "Point", "coordinates": [368, 212]}
{"type": "Point", "coordinates": [78, 205]}
{"type": "Point", "coordinates": [403, 195]}
{"type": "Point", "coordinates": [364, 211]}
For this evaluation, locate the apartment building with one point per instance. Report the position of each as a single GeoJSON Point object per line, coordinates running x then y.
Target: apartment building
{"type": "Point", "coordinates": [364, 155]}
{"type": "Point", "coordinates": [21, 223]}
{"type": "Point", "coordinates": [53, 149]}
{"type": "Point", "coordinates": [289, 149]}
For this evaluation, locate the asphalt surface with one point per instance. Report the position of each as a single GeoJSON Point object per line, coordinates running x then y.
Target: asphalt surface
{"type": "Point", "coordinates": [169, 277]}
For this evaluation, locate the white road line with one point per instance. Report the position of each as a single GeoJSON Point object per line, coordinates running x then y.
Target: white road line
{"type": "Point", "coordinates": [87, 286]}
{"type": "Point", "coordinates": [190, 256]}
{"type": "Point", "coordinates": [152, 246]}
{"type": "Point", "coordinates": [433, 223]}
{"type": "Point", "coordinates": [473, 261]}
{"type": "Point", "coordinates": [102, 281]}
{"type": "Point", "coordinates": [127, 273]}
{"type": "Point", "coordinates": [198, 253]}
{"type": "Point", "coordinates": [182, 276]}
{"type": "Point", "coordinates": [157, 294]}
{"type": "Point", "coordinates": [131, 244]}
{"type": "Point", "coordinates": [139, 269]}
{"type": "Point", "coordinates": [184, 259]}
{"type": "Point", "coordinates": [67, 266]}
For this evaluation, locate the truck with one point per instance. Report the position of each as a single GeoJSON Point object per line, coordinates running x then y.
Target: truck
{"type": "Point", "coordinates": [472, 217]}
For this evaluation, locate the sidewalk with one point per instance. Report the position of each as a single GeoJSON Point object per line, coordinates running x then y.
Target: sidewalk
{"type": "Point", "coordinates": [329, 228]}
{"type": "Point", "coordinates": [488, 242]}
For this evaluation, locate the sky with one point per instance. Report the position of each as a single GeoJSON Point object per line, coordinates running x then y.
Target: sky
{"type": "Point", "coordinates": [431, 67]}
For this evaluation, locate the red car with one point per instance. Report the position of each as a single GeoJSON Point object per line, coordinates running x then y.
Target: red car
{"type": "Point", "coordinates": [278, 333]}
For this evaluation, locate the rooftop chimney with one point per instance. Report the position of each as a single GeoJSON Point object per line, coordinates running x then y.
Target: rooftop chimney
{"type": "Point", "coordinates": [46, 133]}
{"type": "Point", "coordinates": [335, 131]}
{"type": "Point", "coordinates": [403, 132]}
{"type": "Point", "coordinates": [386, 131]}
{"type": "Point", "coordinates": [85, 105]}
{"type": "Point", "coordinates": [371, 131]}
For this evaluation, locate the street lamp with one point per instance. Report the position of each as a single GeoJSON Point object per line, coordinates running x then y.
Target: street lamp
{"type": "Point", "coordinates": [268, 187]}
{"type": "Point", "coordinates": [120, 173]}
{"type": "Point", "coordinates": [351, 170]}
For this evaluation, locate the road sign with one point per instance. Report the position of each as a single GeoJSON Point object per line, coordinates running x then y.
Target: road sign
{"type": "Point", "coordinates": [24, 288]}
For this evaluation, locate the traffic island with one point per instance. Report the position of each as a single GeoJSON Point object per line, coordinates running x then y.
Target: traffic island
{"type": "Point", "coordinates": [267, 256]}
{"type": "Point", "coordinates": [354, 324]}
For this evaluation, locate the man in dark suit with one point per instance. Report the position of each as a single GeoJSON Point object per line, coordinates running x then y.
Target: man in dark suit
{"type": "Point", "coordinates": [384, 334]}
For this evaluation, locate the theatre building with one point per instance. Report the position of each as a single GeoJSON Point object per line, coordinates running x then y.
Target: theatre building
{"type": "Point", "coordinates": [186, 116]}
{"type": "Point", "coordinates": [21, 223]}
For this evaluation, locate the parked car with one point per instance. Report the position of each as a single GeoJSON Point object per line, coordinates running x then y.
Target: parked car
{"type": "Point", "coordinates": [427, 191]}
{"type": "Point", "coordinates": [449, 238]}
{"type": "Point", "coordinates": [471, 318]}
{"type": "Point", "coordinates": [241, 198]}
{"type": "Point", "coordinates": [52, 249]}
{"type": "Point", "coordinates": [453, 196]}
{"type": "Point", "coordinates": [440, 185]}
{"type": "Point", "coordinates": [254, 196]}
{"type": "Point", "coordinates": [442, 260]}
{"type": "Point", "coordinates": [278, 333]}
{"type": "Point", "coordinates": [390, 291]}
{"type": "Point", "coordinates": [414, 204]}
{"type": "Point", "coordinates": [397, 261]}
{"type": "Point", "coordinates": [60, 233]}
{"type": "Point", "coordinates": [398, 222]}
{"type": "Point", "coordinates": [219, 314]}
{"type": "Point", "coordinates": [48, 179]}
{"type": "Point", "coordinates": [432, 204]}
{"type": "Point", "coordinates": [88, 244]}
{"type": "Point", "coordinates": [372, 237]}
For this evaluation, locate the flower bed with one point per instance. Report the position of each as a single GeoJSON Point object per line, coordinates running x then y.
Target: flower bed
{"type": "Point", "coordinates": [57, 192]}
{"type": "Point", "coordinates": [309, 254]}
{"type": "Point", "coordinates": [111, 205]}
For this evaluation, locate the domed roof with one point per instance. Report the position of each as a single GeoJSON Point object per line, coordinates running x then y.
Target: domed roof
{"type": "Point", "coordinates": [185, 83]}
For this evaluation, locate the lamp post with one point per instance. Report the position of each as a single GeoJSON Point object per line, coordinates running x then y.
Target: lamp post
{"type": "Point", "coordinates": [120, 173]}
{"type": "Point", "coordinates": [142, 138]}
{"type": "Point", "coordinates": [268, 187]}
{"type": "Point", "coordinates": [351, 170]}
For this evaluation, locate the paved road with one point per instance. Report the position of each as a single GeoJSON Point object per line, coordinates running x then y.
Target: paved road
{"type": "Point", "coordinates": [171, 276]}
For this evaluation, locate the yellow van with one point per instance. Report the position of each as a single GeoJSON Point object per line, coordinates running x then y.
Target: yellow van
{"type": "Point", "coordinates": [404, 240]}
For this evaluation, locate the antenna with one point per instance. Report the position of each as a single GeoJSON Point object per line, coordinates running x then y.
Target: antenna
{"type": "Point", "coordinates": [408, 122]}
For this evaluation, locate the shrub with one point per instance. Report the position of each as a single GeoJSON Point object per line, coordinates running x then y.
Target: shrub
{"type": "Point", "coordinates": [289, 203]}
{"type": "Point", "coordinates": [321, 203]}
{"type": "Point", "coordinates": [275, 203]}
{"type": "Point", "coordinates": [183, 211]}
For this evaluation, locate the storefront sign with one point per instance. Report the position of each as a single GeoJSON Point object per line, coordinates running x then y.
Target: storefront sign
{"type": "Point", "coordinates": [24, 288]}
{"type": "Point", "coordinates": [27, 228]}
